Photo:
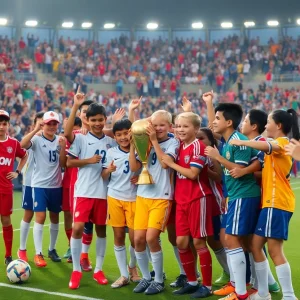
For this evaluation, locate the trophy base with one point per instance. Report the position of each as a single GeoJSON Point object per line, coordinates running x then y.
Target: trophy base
{"type": "Point", "coordinates": [145, 178]}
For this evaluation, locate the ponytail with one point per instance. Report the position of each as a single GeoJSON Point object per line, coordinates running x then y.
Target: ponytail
{"type": "Point", "coordinates": [295, 124]}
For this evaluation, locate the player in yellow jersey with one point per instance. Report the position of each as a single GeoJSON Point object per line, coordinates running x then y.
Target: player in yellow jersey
{"type": "Point", "coordinates": [278, 202]}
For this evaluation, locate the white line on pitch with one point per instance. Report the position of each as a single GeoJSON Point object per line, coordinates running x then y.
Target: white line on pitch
{"type": "Point", "coordinates": [46, 292]}
{"type": "Point", "coordinates": [46, 225]}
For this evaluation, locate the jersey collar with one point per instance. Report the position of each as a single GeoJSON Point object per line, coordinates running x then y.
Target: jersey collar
{"type": "Point", "coordinates": [122, 150]}
{"type": "Point", "coordinates": [48, 139]}
{"type": "Point", "coordinates": [96, 136]}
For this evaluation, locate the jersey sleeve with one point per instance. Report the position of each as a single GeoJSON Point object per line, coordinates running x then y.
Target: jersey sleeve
{"type": "Point", "coordinates": [173, 148]}
{"type": "Point", "coordinates": [243, 155]}
{"type": "Point", "coordinates": [20, 152]}
{"type": "Point", "coordinates": [109, 158]}
{"type": "Point", "coordinates": [76, 146]}
{"type": "Point", "coordinates": [198, 159]}
{"type": "Point", "coordinates": [34, 141]}
{"type": "Point", "coordinates": [281, 142]}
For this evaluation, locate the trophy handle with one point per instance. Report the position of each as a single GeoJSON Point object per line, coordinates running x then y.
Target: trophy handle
{"type": "Point", "coordinates": [145, 177]}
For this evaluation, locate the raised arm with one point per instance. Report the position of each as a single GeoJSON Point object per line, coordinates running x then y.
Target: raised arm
{"type": "Point", "coordinates": [26, 141]}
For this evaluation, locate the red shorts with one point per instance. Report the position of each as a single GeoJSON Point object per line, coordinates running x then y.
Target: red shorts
{"type": "Point", "coordinates": [6, 204]}
{"type": "Point", "coordinates": [71, 198]}
{"type": "Point", "coordinates": [172, 217]}
{"type": "Point", "coordinates": [90, 210]}
{"type": "Point", "coordinates": [65, 199]}
{"type": "Point", "coordinates": [195, 218]}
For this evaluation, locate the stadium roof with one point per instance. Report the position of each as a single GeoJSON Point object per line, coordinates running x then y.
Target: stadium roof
{"type": "Point", "coordinates": [136, 13]}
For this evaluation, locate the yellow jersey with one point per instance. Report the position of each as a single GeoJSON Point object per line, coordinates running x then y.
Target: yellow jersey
{"type": "Point", "coordinates": [277, 191]}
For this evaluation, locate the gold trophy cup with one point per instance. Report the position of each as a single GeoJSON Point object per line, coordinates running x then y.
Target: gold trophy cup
{"type": "Point", "coordinates": [143, 146]}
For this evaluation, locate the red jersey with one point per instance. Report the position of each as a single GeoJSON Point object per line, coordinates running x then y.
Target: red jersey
{"type": "Point", "coordinates": [72, 173]}
{"type": "Point", "coordinates": [187, 190]}
{"type": "Point", "coordinates": [9, 150]}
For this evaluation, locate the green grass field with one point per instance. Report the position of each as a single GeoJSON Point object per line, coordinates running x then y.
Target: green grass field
{"type": "Point", "coordinates": [55, 277]}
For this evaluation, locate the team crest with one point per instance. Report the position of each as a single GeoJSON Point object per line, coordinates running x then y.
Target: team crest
{"type": "Point", "coordinates": [187, 159]}
{"type": "Point", "coordinates": [9, 150]}
{"type": "Point", "coordinates": [108, 146]}
{"type": "Point", "coordinates": [52, 114]}
{"type": "Point", "coordinates": [227, 155]}
{"type": "Point", "coordinates": [164, 149]}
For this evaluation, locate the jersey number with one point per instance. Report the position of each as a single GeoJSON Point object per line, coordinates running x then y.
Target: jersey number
{"type": "Point", "coordinates": [52, 156]}
{"type": "Point", "coordinates": [103, 154]}
{"type": "Point", "coordinates": [126, 170]}
{"type": "Point", "coordinates": [154, 159]}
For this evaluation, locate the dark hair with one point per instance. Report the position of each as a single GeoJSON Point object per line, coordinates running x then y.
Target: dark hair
{"type": "Point", "coordinates": [232, 112]}
{"type": "Point", "coordinates": [288, 120]}
{"type": "Point", "coordinates": [259, 118]}
{"type": "Point", "coordinates": [38, 115]}
{"type": "Point", "coordinates": [77, 122]}
{"type": "Point", "coordinates": [121, 125]}
{"type": "Point", "coordinates": [3, 118]}
{"type": "Point", "coordinates": [85, 103]}
{"type": "Point", "coordinates": [95, 109]}
{"type": "Point", "coordinates": [210, 136]}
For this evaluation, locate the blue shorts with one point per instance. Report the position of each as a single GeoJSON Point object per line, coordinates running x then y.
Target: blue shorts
{"type": "Point", "coordinates": [27, 201]}
{"type": "Point", "coordinates": [273, 223]}
{"type": "Point", "coordinates": [44, 199]}
{"type": "Point", "coordinates": [224, 220]}
{"type": "Point", "coordinates": [242, 216]}
{"type": "Point", "coordinates": [217, 227]}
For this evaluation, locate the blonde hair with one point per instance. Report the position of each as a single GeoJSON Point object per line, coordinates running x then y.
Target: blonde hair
{"type": "Point", "coordinates": [193, 118]}
{"type": "Point", "coordinates": [164, 114]}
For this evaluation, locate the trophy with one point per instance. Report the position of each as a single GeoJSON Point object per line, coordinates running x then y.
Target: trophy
{"type": "Point", "coordinates": [143, 146]}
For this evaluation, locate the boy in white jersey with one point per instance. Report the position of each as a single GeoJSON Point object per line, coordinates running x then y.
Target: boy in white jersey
{"type": "Point", "coordinates": [27, 201]}
{"type": "Point", "coordinates": [154, 202]}
{"type": "Point", "coordinates": [88, 153]}
{"type": "Point", "coordinates": [48, 150]}
{"type": "Point", "coordinates": [121, 196]}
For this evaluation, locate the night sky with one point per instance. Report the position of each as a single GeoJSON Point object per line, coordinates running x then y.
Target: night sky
{"type": "Point", "coordinates": [134, 13]}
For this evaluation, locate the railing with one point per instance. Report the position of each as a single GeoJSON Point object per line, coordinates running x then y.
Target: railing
{"type": "Point", "coordinates": [288, 77]}
{"type": "Point", "coordinates": [20, 76]}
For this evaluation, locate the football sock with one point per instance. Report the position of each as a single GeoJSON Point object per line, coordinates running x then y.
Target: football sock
{"type": "Point", "coordinates": [206, 266]}
{"type": "Point", "coordinates": [261, 269]}
{"type": "Point", "coordinates": [76, 252]}
{"type": "Point", "coordinates": [157, 261]}
{"type": "Point", "coordinates": [24, 231]}
{"type": "Point", "coordinates": [222, 259]}
{"type": "Point", "coordinates": [120, 253]}
{"type": "Point", "coordinates": [143, 262]}
{"type": "Point", "coordinates": [178, 260]}
{"type": "Point", "coordinates": [148, 253]}
{"type": "Point", "coordinates": [253, 272]}
{"type": "Point", "coordinates": [187, 260]}
{"type": "Point", "coordinates": [238, 265]}
{"type": "Point", "coordinates": [8, 239]}
{"type": "Point", "coordinates": [100, 253]}
{"type": "Point", "coordinates": [285, 279]}
{"type": "Point", "coordinates": [132, 257]}
{"type": "Point", "coordinates": [53, 235]}
{"type": "Point", "coordinates": [229, 267]}
{"type": "Point", "coordinates": [38, 237]}
{"type": "Point", "coordinates": [86, 242]}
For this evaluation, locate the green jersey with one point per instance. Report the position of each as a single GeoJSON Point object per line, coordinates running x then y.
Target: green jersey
{"type": "Point", "coordinates": [246, 186]}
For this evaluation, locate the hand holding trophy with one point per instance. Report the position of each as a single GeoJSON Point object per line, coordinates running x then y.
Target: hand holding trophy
{"type": "Point", "coordinates": [142, 145]}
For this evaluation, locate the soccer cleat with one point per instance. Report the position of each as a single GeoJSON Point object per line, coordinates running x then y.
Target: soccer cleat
{"type": "Point", "coordinates": [22, 254]}
{"type": "Point", "coordinates": [202, 292]}
{"type": "Point", "coordinates": [274, 288]}
{"type": "Point", "coordinates": [223, 279]}
{"type": "Point", "coordinates": [152, 274]}
{"type": "Point", "coordinates": [70, 260]}
{"type": "Point", "coordinates": [52, 254]}
{"type": "Point", "coordinates": [179, 282]}
{"type": "Point", "coordinates": [256, 296]}
{"type": "Point", "coordinates": [186, 289]}
{"type": "Point", "coordinates": [120, 282]}
{"type": "Point", "coordinates": [155, 288]}
{"type": "Point", "coordinates": [142, 286]}
{"type": "Point", "coordinates": [74, 282]}
{"type": "Point", "coordinates": [225, 290]}
{"type": "Point", "coordinates": [68, 253]}
{"type": "Point", "coordinates": [8, 260]}
{"type": "Point", "coordinates": [100, 278]}
{"type": "Point", "coordinates": [85, 262]}
{"type": "Point", "coordinates": [134, 274]}
{"type": "Point", "coordinates": [40, 261]}
{"type": "Point", "coordinates": [231, 296]}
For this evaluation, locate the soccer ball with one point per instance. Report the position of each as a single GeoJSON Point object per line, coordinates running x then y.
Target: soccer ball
{"type": "Point", "coordinates": [18, 271]}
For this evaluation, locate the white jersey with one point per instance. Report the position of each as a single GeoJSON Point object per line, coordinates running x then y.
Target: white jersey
{"type": "Point", "coordinates": [46, 172]}
{"type": "Point", "coordinates": [28, 168]}
{"type": "Point", "coordinates": [89, 182]}
{"type": "Point", "coordinates": [119, 186]}
{"type": "Point", "coordinates": [163, 187]}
